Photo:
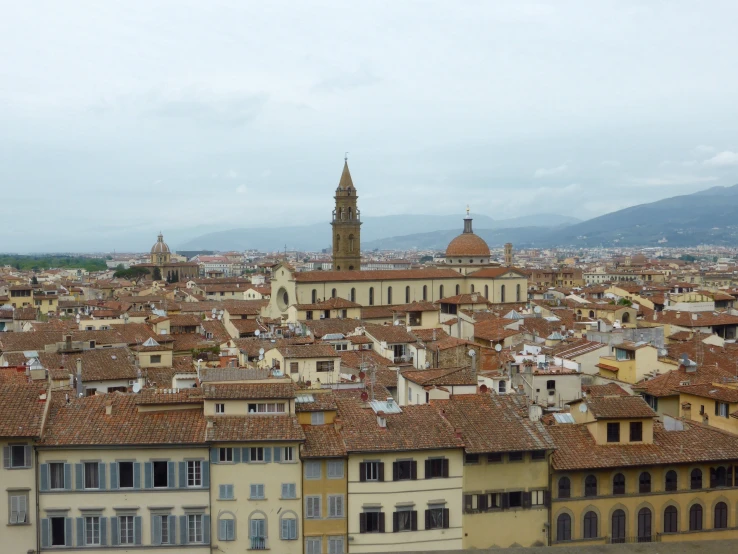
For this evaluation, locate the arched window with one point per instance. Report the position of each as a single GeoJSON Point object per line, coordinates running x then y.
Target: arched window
{"type": "Point", "coordinates": [351, 243]}
{"type": "Point", "coordinates": [695, 518]}
{"type": "Point", "coordinates": [472, 288]}
{"type": "Point", "coordinates": [351, 213]}
{"type": "Point", "coordinates": [564, 487]}
{"type": "Point", "coordinates": [371, 296]}
{"type": "Point", "coordinates": [671, 520]}
{"type": "Point", "coordinates": [226, 527]}
{"type": "Point", "coordinates": [407, 295]}
{"type": "Point", "coordinates": [695, 479]}
{"type": "Point", "coordinates": [389, 295]}
{"type": "Point", "coordinates": [590, 486]}
{"type": "Point", "coordinates": [353, 295]}
{"type": "Point", "coordinates": [258, 530]}
{"type": "Point", "coordinates": [440, 292]}
{"type": "Point", "coordinates": [458, 290]}
{"type": "Point", "coordinates": [626, 317]}
{"type": "Point", "coordinates": [591, 314]}
{"type": "Point", "coordinates": [333, 293]}
{"type": "Point", "coordinates": [517, 293]}
{"type": "Point", "coordinates": [563, 527]}
{"type": "Point", "coordinates": [288, 526]}
{"type": "Point", "coordinates": [502, 293]}
{"type": "Point", "coordinates": [718, 477]}
{"type": "Point", "coordinates": [314, 296]}
{"type": "Point", "coordinates": [671, 480]}
{"type": "Point", "coordinates": [644, 482]}
{"type": "Point", "coordinates": [590, 525]}
{"type": "Point", "coordinates": [618, 484]}
{"type": "Point", "coordinates": [617, 528]}
{"type": "Point", "coordinates": [486, 291]}
{"type": "Point", "coordinates": [644, 525]}
{"type": "Point", "coordinates": [721, 516]}
{"type": "Point", "coordinates": [338, 242]}
{"type": "Point", "coordinates": [425, 292]}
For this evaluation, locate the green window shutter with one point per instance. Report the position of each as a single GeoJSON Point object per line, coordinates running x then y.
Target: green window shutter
{"type": "Point", "coordinates": [114, 536]}
{"type": "Point", "coordinates": [68, 531]}
{"type": "Point", "coordinates": [80, 531]}
{"type": "Point", "coordinates": [44, 478]}
{"type": "Point", "coordinates": [45, 533]}
{"type": "Point", "coordinates": [137, 524]}
{"type": "Point", "coordinates": [148, 475]}
{"type": "Point", "coordinates": [206, 529]}
{"type": "Point", "coordinates": [137, 475]}
{"type": "Point", "coordinates": [103, 531]}
{"type": "Point", "coordinates": [182, 529]}
{"type": "Point", "coordinates": [101, 475]}
{"type": "Point", "coordinates": [171, 477]}
{"type": "Point", "coordinates": [68, 477]}
{"type": "Point", "coordinates": [113, 475]}
{"type": "Point", "coordinates": [182, 475]}
{"type": "Point", "coordinates": [156, 530]}
{"type": "Point", "coordinates": [79, 477]}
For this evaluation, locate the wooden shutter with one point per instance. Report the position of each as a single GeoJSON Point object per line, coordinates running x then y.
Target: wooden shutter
{"type": "Point", "coordinates": [44, 478]}
{"type": "Point", "coordinates": [6, 457]}
{"type": "Point", "coordinates": [137, 524]}
{"type": "Point", "coordinates": [182, 475]}
{"type": "Point", "coordinates": [505, 497]}
{"type": "Point", "coordinates": [148, 475]}
{"type": "Point", "coordinates": [362, 476]}
{"type": "Point", "coordinates": [468, 502]}
{"type": "Point", "coordinates": [114, 476]}
{"type": "Point", "coordinates": [172, 528]}
{"type": "Point", "coordinates": [445, 467]}
{"type": "Point", "coordinates": [277, 453]}
{"type": "Point", "coordinates": [381, 521]}
{"type": "Point", "coordinates": [171, 478]}
{"type": "Point", "coordinates": [267, 454]}
{"type": "Point", "coordinates": [28, 452]}
{"type": "Point", "coordinates": [717, 408]}
{"type": "Point", "coordinates": [46, 532]}
{"type": "Point", "coordinates": [223, 531]}
{"type": "Point", "coordinates": [114, 535]}
{"type": "Point", "coordinates": [205, 529]}
{"type": "Point", "coordinates": [183, 530]}
{"type": "Point", "coordinates": [102, 481]}
{"type": "Point", "coordinates": [79, 476]}
{"type": "Point", "coordinates": [526, 500]}
{"type": "Point", "coordinates": [482, 502]}
{"type": "Point", "coordinates": [67, 531]}
{"type": "Point", "coordinates": [427, 519]}
{"type": "Point", "coordinates": [414, 520]}
{"type": "Point", "coordinates": [729, 476]}
{"type": "Point", "coordinates": [446, 514]}
{"type": "Point", "coordinates": [395, 471]}
{"type": "Point", "coordinates": [156, 530]}
{"type": "Point", "coordinates": [427, 469]}
{"type": "Point", "coordinates": [214, 455]}
{"type": "Point", "coordinates": [80, 531]}
{"type": "Point", "coordinates": [713, 478]}
{"type": "Point", "coordinates": [103, 531]}
{"type": "Point", "coordinates": [413, 470]}
{"type": "Point", "coordinates": [68, 477]}
{"type": "Point", "coordinates": [547, 498]}
{"type": "Point", "coordinates": [362, 523]}
{"type": "Point", "coordinates": [395, 518]}
{"type": "Point", "coordinates": [381, 470]}
{"type": "Point", "coordinates": [14, 509]}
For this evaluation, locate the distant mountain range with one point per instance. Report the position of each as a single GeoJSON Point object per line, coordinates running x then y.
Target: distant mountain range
{"type": "Point", "coordinates": [374, 230]}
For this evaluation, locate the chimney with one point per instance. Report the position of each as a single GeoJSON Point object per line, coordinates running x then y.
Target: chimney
{"type": "Point", "coordinates": [338, 423]}
{"type": "Point", "coordinates": [80, 391]}
{"type": "Point", "coordinates": [457, 433]}
{"type": "Point", "coordinates": [687, 410]}
{"type": "Point", "coordinates": [68, 342]}
{"type": "Point", "coordinates": [109, 406]}
{"type": "Point", "coordinates": [381, 420]}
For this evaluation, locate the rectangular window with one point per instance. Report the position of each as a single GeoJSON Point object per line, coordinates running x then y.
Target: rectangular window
{"type": "Point", "coordinates": [494, 458]}
{"type": "Point", "coordinates": [537, 498]}
{"type": "Point", "coordinates": [636, 431]}
{"type": "Point", "coordinates": [312, 507]}
{"type": "Point", "coordinates": [19, 456]}
{"type": "Point", "coordinates": [92, 530]}
{"type": "Point", "coordinates": [317, 418]}
{"type": "Point", "coordinates": [220, 408]}
{"type": "Point", "coordinates": [194, 473]}
{"type": "Point", "coordinates": [325, 366]}
{"type": "Point", "coordinates": [335, 505]}
{"type": "Point", "coordinates": [293, 367]}
{"type": "Point", "coordinates": [403, 470]}
{"type": "Point", "coordinates": [256, 454]}
{"type": "Point", "coordinates": [436, 467]}
{"type": "Point", "coordinates": [288, 531]}
{"type": "Point", "coordinates": [515, 499]}
{"type": "Point", "coordinates": [225, 455]}
{"type": "Point", "coordinates": [288, 454]}
{"type": "Point", "coordinates": [156, 359]}
{"type": "Point", "coordinates": [313, 545]}
{"type": "Point", "coordinates": [289, 490]}
{"type": "Point", "coordinates": [471, 459]}
{"type": "Point", "coordinates": [125, 475]}
{"type": "Point", "coordinates": [18, 508]}
{"type": "Point", "coordinates": [435, 517]}
{"type": "Point", "coordinates": [335, 469]}
{"type": "Point", "coordinates": [256, 492]}
{"type": "Point", "coordinates": [515, 457]}
{"type": "Point", "coordinates": [404, 520]}
{"type": "Point", "coordinates": [371, 471]}
{"type": "Point", "coordinates": [164, 526]}
{"type": "Point", "coordinates": [722, 409]}
{"type": "Point", "coordinates": [227, 529]}
{"type": "Point", "coordinates": [225, 492]}
{"type": "Point", "coordinates": [125, 529]}
{"type": "Point", "coordinates": [194, 528]}
{"type": "Point", "coordinates": [56, 476]}
{"type": "Point", "coordinates": [613, 432]}
{"type": "Point", "coordinates": [538, 455]}
{"type": "Point", "coordinates": [336, 545]}
{"type": "Point", "coordinates": [58, 533]}
{"type": "Point", "coordinates": [161, 475]}
{"type": "Point", "coordinates": [373, 522]}
{"type": "Point", "coordinates": [312, 470]}
{"type": "Point", "coordinates": [309, 315]}
{"type": "Point", "coordinates": [92, 475]}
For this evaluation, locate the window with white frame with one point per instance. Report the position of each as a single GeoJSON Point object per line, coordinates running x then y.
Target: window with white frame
{"type": "Point", "coordinates": [125, 530]}
{"type": "Point", "coordinates": [335, 469]}
{"type": "Point", "coordinates": [18, 508]}
{"type": "Point", "coordinates": [92, 475]}
{"type": "Point", "coordinates": [227, 528]}
{"type": "Point", "coordinates": [312, 507]}
{"type": "Point", "coordinates": [225, 455]}
{"type": "Point", "coordinates": [313, 545]}
{"type": "Point", "coordinates": [92, 530]}
{"type": "Point", "coordinates": [256, 454]}
{"type": "Point", "coordinates": [56, 476]}
{"type": "Point", "coordinates": [289, 490]}
{"type": "Point", "coordinates": [336, 505]}
{"type": "Point", "coordinates": [220, 408]}
{"type": "Point", "coordinates": [336, 545]}
{"type": "Point", "coordinates": [256, 491]}
{"type": "Point", "coordinates": [161, 530]}
{"type": "Point", "coordinates": [225, 492]}
{"type": "Point", "coordinates": [288, 455]}
{"type": "Point", "coordinates": [312, 470]}
{"type": "Point", "coordinates": [288, 528]}
{"type": "Point", "coordinates": [194, 528]}
{"type": "Point", "coordinates": [317, 418]}
{"type": "Point", "coordinates": [537, 498]}
{"type": "Point", "coordinates": [16, 456]}
{"type": "Point", "coordinates": [194, 473]}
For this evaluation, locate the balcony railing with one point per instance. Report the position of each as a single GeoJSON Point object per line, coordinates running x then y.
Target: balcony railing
{"type": "Point", "coordinates": [623, 540]}
{"type": "Point", "coordinates": [258, 543]}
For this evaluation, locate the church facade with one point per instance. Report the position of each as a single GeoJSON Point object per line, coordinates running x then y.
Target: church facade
{"type": "Point", "coordinates": [161, 258]}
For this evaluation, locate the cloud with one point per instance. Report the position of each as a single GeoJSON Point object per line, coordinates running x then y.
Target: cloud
{"type": "Point", "coordinates": [671, 180]}
{"type": "Point", "coordinates": [231, 110]}
{"type": "Point", "coordinates": [723, 159]}
{"type": "Point", "coordinates": [231, 174]}
{"type": "Point", "coordinates": [547, 172]}
{"type": "Point", "coordinates": [704, 149]}
{"type": "Point", "coordinates": [346, 80]}
{"type": "Point", "coordinates": [242, 189]}
{"type": "Point", "coordinates": [610, 163]}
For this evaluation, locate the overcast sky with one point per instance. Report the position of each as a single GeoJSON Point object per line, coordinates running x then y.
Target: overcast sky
{"type": "Point", "coordinates": [118, 119]}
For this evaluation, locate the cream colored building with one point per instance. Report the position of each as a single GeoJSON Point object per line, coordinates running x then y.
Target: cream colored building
{"type": "Point", "coordinates": [311, 363]}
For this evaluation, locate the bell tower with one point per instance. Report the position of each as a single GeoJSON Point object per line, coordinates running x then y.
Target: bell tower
{"type": "Point", "coordinates": [346, 225]}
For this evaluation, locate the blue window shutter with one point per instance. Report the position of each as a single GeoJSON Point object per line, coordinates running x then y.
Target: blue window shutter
{"type": "Point", "coordinates": [267, 454]}
{"type": "Point", "coordinates": [206, 529]}
{"type": "Point", "coordinates": [101, 475]}
{"type": "Point", "coordinates": [172, 529]}
{"type": "Point", "coordinates": [246, 457]}
{"type": "Point", "coordinates": [214, 455]}
{"type": "Point", "coordinates": [80, 531]}
{"type": "Point", "coordinates": [148, 475]}
{"type": "Point", "coordinates": [114, 536]}
{"type": "Point", "coordinates": [45, 533]}
{"type": "Point", "coordinates": [205, 475]}
{"type": "Point", "coordinates": [156, 530]}
{"type": "Point", "coordinates": [222, 531]}
{"type": "Point", "coordinates": [68, 477]}
{"type": "Point", "coordinates": [277, 453]}
{"type": "Point", "coordinates": [113, 475]}
{"type": "Point", "coordinates": [29, 453]}
{"type": "Point", "coordinates": [171, 477]}
{"type": "Point", "coordinates": [137, 530]}
{"type": "Point", "coordinates": [103, 531]}
{"type": "Point", "coordinates": [182, 475]}
{"type": "Point", "coordinates": [6, 457]}
{"type": "Point", "coordinates": [79, 477]}
{"type": "Point", "coordinates": [182, 529]}
{"type": "Point", "coordinates": [136, 475]}
{"type": "Point", "coordinates": [68, 531]}
{"type": "Point", "coordinates": [44, 478]}
{"type": "Point", "coordinates": [236, 455]}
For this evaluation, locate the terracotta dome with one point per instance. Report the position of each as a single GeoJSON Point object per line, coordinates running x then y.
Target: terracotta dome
{"type": "Point", "coordinates": [160, 247]}
{"type": "Point", "coordinates": [467, 245]}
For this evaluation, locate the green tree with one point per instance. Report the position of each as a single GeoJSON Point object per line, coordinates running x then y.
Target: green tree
{"type": "Point", "coordinates": [34, 281]}
{"type": "Point", "coordinates": [157, 274]}
{"type": "Point", "coordinates": [624, 302]}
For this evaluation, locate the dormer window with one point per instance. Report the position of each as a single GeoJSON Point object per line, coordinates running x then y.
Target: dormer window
{"type": "Point", "coordinates": [613, 432]}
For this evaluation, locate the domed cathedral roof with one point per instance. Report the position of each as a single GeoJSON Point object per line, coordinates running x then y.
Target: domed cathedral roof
{"type": "Point", "coordinates": [160, 247]}
{"type": "Point", "coordinates": [468, 245]}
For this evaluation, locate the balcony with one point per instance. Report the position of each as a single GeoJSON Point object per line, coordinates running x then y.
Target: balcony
{"type": "Point", "coordinates": [258, 543]}
{"type": "Point", "coordinates": [629, 540]}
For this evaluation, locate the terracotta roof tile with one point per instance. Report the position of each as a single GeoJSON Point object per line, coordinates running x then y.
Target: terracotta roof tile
{"type": "Point", "coordinates": [377, 275]}
{"type": "Point", "coordinates": [255, 428]}
{"type": "Point", "coordinates": [22, 410]}
{"type": "Point", "coordinates": [617, 407]}
{"type": "Point", "coordinates": [248, 391]}
{"type": "Point", "coordinates": [441, 377]}
{"type": "Point", "coordinates": [708, 390]}
{"type": "Point", "coordinates": [322, 441]}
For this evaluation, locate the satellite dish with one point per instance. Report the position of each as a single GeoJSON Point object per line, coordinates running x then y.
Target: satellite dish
{"type": "Point", "coordinates": [483, 388]}
{"type": "Point", "coordinates": [498, 347]}
{"type": "Point", "coordinates": [257, 332]}
{"type": "Point", "coordinates": [427, 365]}
{"type": "Point", "coordinates": [398, 322]}
{"type": "Point", "coordinates": [309, 383]}
{"type": "Point", "coordinates": [261, 356]}
{"type": "Point", "coordinates": [583, 408]}
{"type": "Point", "coordinates": [362, 375]}
{"type": "Point", "coordinates": [292, 326]}
{"type": "Point", "coordinates": [364, 396]}
{"type": "Point", "coordinates": [537, 309]}
{"type": "Point", "coordinates": [261, 351]}
{"type": "Point", "coordinates": [136, 387]}
{"type": "Point", "coordinates": [353, 377]}
{"type": "Point", "coordinates": [472, 353]}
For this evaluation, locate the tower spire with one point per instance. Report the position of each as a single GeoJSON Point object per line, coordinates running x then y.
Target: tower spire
{"type": "Point", "coordinates": [345, 182]}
